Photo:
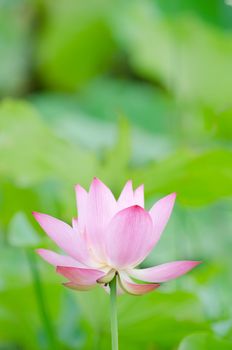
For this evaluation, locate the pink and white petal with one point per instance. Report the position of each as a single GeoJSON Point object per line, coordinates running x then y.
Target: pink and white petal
{"type": "Point", "coordinates": [101, 206]}
{"type": "Point", "coordinates": [134, 288]}
{"type": "Point", "coordinates": [107, 277]}
{"type": "Point", "coordinates": [78, 287]}
{"type": "Point", "coordinates": [81, 199]}
{"type": "Point", "coordinates": [64, 236]}
{"type": "Point", "coordinates": [126, 198]}
{"type": "Point", "coordinates": [80, 276]}
{"type": "Point", "coordinates": [160, 213]}
{"type": "Point", "coordinates": [139, 196]}
{"type": "Point", "coordinates": [58, 259]}
{"type": "Point", "coordinates": [129, 237]}
{"type": "Point", "coordinates": [164, 272]}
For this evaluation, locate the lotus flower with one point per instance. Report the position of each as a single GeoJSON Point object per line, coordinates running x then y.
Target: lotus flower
{"type": "Point", "coordinates": [110, 238]}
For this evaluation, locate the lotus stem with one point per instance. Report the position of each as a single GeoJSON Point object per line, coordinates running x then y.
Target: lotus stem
{"type": "Point", "coordinates": [113, 313]}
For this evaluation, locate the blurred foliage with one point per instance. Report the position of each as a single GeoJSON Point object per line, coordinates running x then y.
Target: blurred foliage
{"type": "Point", "coordinates": [191, 58]}
{"type": "Point", "coordinates": [204, 341]}
{"type": "Point", "coordinates": [136, 89]}
{"type": "Point", "coordinates": [15, 43]}
{"type": "Point", "coordinates": [75, 42]}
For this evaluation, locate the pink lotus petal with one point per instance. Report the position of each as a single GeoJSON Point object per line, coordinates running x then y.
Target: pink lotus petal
{"type": "Point", "coordinates": [65, 237]}
{"type": "Point", "coordinates": [101, 206]}
{"type": "Point", "coordinates": [78, 287]}
{"type": "Point", "coordinates": [129, 237]}
{"type": "Point", "coordinates": [164, 272]}
{"type": "Point", "coordinates": [126, 198]}
{"type": "Point", "coordinates": [58, 259]}
{"type": "Point", "coordinates": [139, 196]}
{"type": "Point", "coordinates": [107, 277]}
{"type": "Point", "coordinates": [160, 213]}
{"type": "Point", "coordinates": [134, 288]}
{"type": "Point", "coordinates": [81, 199]}
{"type": "Point", "coordinates": [80, 276]}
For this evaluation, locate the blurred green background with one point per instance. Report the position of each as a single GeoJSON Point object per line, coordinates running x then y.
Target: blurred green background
{"type": "Point", "coordinates": [122, 89]}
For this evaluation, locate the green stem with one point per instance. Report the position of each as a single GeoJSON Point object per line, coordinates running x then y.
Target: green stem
{"type": "Point", "coordinates": [113, 307]}
{"type": "Point", "coordinates": [41, 301]}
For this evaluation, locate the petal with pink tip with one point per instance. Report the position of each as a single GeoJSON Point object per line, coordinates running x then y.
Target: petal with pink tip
{"type": "Point", "coordinates": [58, 259]}
{"type": "Point", "coordinates": [80, 276]}
{"type": "Point", "coordinates": [134, 288]}
{"type": "Point", "coordinates": [126, 198]}
{"type": "Point", "coordinates": [129, 237]}
{"type": "Point", "coordinates": [101, 206]}
{"type": "Point", "coordinates": [78, 287]}
{"type": "Point", "coordinates": [81, 199]}
{"type": "Point", "coordinates": [139, 196]}
{"type": "Point", "coordinates": [164, 272]}
{"type": "Point", "coordinates": [160, 213]}
{"type": "Point", "coordinates": [65, 237]}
